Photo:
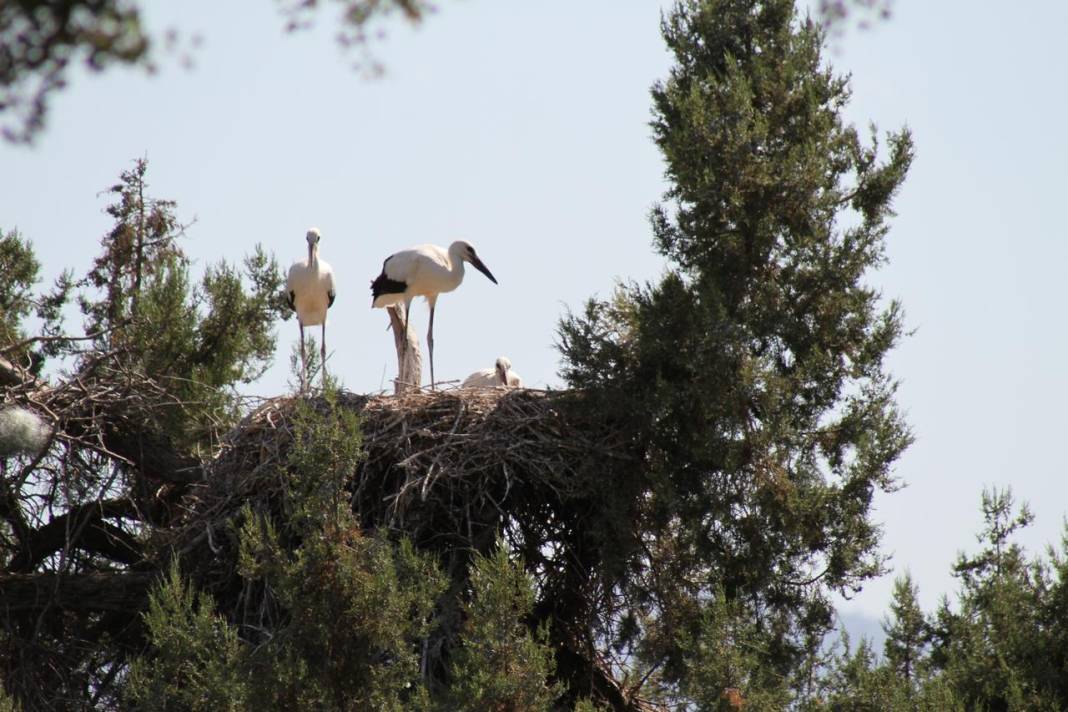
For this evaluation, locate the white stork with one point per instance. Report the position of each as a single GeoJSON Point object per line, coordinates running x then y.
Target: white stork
{"type": "Point", "coordinates": [310, 285]}
{"type": "Point", "coordinates": [424, 271]}
{"type": "Point", "coordinates": [501, 376]}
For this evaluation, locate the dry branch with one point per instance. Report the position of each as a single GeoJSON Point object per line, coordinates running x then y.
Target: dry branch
{"type": "Point", "coordinates": [409, 359]}
{"type": "Point", "coordinates": [92, 592]}
{"type": "Point", "coordinates": [82, 527]}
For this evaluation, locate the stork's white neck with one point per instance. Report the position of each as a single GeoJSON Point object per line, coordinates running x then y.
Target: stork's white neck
{"type": "Point", "coordinates": [313, 253]}
{"type": "Point", "coordinates": [456, 259]}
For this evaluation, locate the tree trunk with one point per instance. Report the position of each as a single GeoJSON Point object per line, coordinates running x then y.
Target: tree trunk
{"type": "Point", "coordinates": [409, 360]}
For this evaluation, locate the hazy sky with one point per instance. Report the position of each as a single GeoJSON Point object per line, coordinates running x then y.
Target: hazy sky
{"type": "Point", "coordinates": [523, 127]}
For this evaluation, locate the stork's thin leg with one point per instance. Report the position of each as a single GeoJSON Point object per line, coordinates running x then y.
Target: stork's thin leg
{"type": "Point", "coordinates": [322, 353]}
{"type": "Point", "coordinates": [430, 346]}
{"type": "Point", "coordinates": [303, 361]}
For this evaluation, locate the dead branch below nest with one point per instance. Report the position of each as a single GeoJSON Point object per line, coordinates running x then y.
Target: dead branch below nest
{"type": "Point", "coordinates": [409, 359]}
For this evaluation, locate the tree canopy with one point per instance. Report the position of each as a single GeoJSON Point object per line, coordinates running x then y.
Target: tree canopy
{"type": "Point", "coordinates": [40, 41]}
{"type": "Point", "coordinates": [752, 373]}
{"type": "Point", "coordinates": [665, 533]}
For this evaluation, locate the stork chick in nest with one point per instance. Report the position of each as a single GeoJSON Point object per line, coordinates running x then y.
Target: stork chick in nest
{"type": "Point", "coordinates": [500, 376]}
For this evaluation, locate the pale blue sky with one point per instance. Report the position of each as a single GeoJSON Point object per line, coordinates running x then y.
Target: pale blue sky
{"type": "Point", "coordinates": [522, 127]}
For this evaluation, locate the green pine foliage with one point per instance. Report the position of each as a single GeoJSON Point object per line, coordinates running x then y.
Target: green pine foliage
{"type": "Point", "coordinates": [723, 649]}
{"type": "Point", "coordinates": [355, 610]}
{"type": "Point", "coordinates": [20, 268]}
{"type": "Point", "coordinates": [196, 339]}
{"type": "Point", "coordinates": [855, 682]}
{"type": "Point", "coordinates": [994, 648]}
{"type": "Point", "coordinates": [500, 664]}
{"type": "Point", "coordinates": [1053, 619]}
{"type": "Point", "coordinates": [1000, 646]}
{"type": "Point", "coordinates": [751, 375]}
{"type": "Point", "coordinates": [350, 612]}
{"type": "Point", "coordinates": [857, 679]}
{"type": "Point", "coordinates": [327, 447]}
{"type": "Point", "coordinates": [346, 616]}
{"type": "Point", "coordinates": [196, 664]}
{"type": "Point", "coordinates": [588, 706]}
{"type": "Point", "coordinates": [907, 633]}
{"type": "Point", "coordinates": [138, 398]}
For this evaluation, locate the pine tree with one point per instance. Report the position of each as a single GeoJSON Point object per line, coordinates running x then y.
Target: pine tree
{"type": "Point", "coordinates": [1052, 647]}
{"type": "Point", "coordinates": [854, 680]}
{"type": "Point", "coordinates": [906, 632]}
{"type": "Point", "coordinates": [197, 659]}
{"type": "Point", "coordinates": [134, 403]}
{"type": "Point", "coordinates": [194, 339]}
{"type": "Point", "coordinates": [751, 376]}
{"type": "Point", "coordinates": [992, 649]}
{"type": "Point", "coordinates": [19, 267]}
{"type": "Point", "coordinates": [22, 355]}
{"type": "Point", "coordinates": [499, 664]}
{"type": "Point", "coordinates": [999, 648]}
{"type": "Point", "coordinates": [347, 611]}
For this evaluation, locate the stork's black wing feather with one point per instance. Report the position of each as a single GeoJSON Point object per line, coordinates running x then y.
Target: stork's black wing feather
{"type": "Point", "coordinates": [293, 301]}
{"type": "Point", "coordinates": [384, 285]}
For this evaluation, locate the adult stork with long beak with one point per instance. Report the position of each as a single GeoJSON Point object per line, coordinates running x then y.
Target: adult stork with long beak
{"type": "Point", "coordinates": [424, 271]}
{"type": "Point", "coordinates": [310, 285]}
{"type": "Point", "coordinates": [500, 376]}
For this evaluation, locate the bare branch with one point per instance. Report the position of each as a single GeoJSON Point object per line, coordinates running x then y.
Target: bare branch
{"type": "Point", "coordinates": [92, 592]}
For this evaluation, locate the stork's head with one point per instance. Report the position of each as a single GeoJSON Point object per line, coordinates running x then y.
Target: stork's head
{"type": "Point", "coordinates": [503, 366]}
{"type": "Point", "coordinates": [466, 252]}
{"type": "Point", "coordinates": [313, 236]}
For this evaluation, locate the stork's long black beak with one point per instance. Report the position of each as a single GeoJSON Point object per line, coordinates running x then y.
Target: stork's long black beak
{"type": "Point", "coordinates": [482, 268]}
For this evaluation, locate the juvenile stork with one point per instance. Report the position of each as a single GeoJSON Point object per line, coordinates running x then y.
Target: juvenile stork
{"type": "Point", "coordinates": [501, 375]}
{"type": "Point", "coordinates": [424, 271]}
{"type": "Point", "coordinates": [310, 285]}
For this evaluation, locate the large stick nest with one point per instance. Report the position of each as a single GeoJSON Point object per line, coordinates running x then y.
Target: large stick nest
{"type": "Point", "coordinates": [460, 450]}
{"type": "Point", "coordinates": [452, 470]}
